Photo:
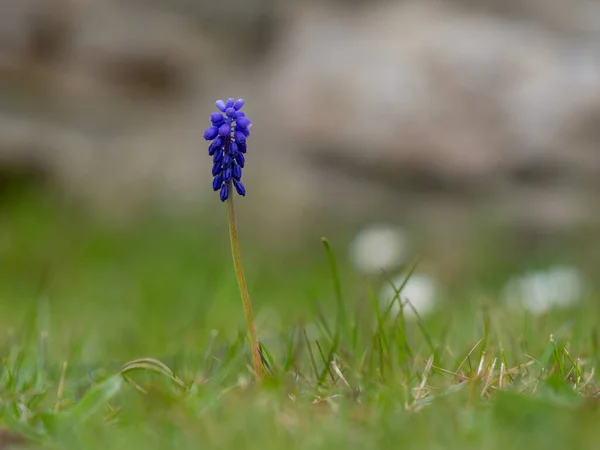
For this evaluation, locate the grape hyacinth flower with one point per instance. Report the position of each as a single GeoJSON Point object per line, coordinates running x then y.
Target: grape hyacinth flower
{"type": "Point", "coordinates": [228, 133]}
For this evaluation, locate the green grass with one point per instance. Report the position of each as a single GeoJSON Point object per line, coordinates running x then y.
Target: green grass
{"type": "Point", "coordinates": [133, 338]}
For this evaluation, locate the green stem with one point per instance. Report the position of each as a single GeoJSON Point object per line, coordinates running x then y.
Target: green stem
{"type": "Point", "coordinates": [239, 273]}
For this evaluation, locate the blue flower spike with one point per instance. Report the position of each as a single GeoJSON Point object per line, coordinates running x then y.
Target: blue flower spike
{"type": "Point", "coordinates": [228, 133]}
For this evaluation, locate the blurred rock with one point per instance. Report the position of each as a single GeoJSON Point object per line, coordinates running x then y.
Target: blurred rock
{"type": "Point", "coordinates": [97, 96]}
{"type": "Point", "coordinates": [35, 30]}
{"type": "Point", "coordinates": [423, 95]}
{"type": "Point", "coordinates": [412, 111]}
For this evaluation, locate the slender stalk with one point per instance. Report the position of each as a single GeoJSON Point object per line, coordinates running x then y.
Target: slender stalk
{"type": "Point", "coordinates": [239, 273]}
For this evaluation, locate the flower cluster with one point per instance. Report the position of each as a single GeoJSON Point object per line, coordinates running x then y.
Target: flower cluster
{"type": "Point", "coordinates": [228, 134]}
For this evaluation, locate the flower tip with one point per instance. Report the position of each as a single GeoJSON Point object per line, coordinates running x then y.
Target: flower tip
{"type": "Point", "coordinates": [230, 112]}
{"type": "Point", "coordinates": [221, 105]}
{"type": "Point", "coordinates": [238, 104]}
{"type": "Point", "coordinates": [230, 102]}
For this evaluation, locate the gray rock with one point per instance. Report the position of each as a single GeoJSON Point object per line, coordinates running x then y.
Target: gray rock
{"type": "Point", "coordinates": [432, 108]}
{"type": "Point", "coordinates": [425, 96]}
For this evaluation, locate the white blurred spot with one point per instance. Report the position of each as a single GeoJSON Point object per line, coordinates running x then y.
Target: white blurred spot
{"type": "Point", "coordinates": [420, 290]}
{"type": "Point", "coordinates": [378, 247]}
{"type": "Point", "coordinates": [559, 286]}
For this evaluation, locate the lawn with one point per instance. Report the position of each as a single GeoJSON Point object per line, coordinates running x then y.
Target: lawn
{"type": "Point", "coordinates": [133, 337]}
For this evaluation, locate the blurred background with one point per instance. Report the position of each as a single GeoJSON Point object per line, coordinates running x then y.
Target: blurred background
{"type": "Point", "coordinates": [463, 133]}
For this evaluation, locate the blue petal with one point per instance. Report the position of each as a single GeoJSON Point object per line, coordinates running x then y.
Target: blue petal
{"type": "Point", "coordinates": [224, 192]}
{"type": "Point", "coordinates": [238, 104]}
{"type": "Point", "coordinates": [217, 182]}
{"type": "Point", "coordinates": [221, 105]}
{"type": "Point", "coordinates": [230, 102]}
{"type": "Point", "coordinates": [210, 133]}
{"type": "Point", "coordinates": [226, 159]}
{"type": "Point", "coordinates": [216, 169]}
{"type": "Point", "coordinates": [239, 137]}
{"type": "Point", "coordinates": [230, 112]}
{"type": "Point", "coordinates": [243, 123]}
{"type": "Point", "coordinates": [239, 187]}
{"type": "Point", "coordinates": [240, 159]}
{"type": "Point", "coordinates": [237, 171]}
{"type": "Point", "coordinates": [225, 129]}
{"type": "Point", "coordinates": [227, 175]}
{"type": "Point", "coordinates": [218, 156]}
{"type": "Point", "coordinates": [216, 118]}
{"type": "Point", "coordinates": [212, 148]}
{"type": "Point", "coordinates": [242, 148]}
{"type": "Point", "coordinates": [233, 149]}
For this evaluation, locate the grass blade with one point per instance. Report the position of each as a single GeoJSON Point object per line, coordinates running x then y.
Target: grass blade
{"type": "Point", "coordinates": [313, 362]}
{"type": "Point", "coordinates": [337, 287]}
{"type": "Point", "coordinates": [95, 399]}
{"type": "Point", "coordinates": [152, 365]}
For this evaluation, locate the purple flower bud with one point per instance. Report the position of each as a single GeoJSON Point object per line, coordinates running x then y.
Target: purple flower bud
{"type": "Point", "coordinates": [246, 132]}
{"type": "Point", "coordinates": [216, 169]}
{"type": "Point", "coordinates": [238, 104]}
{"type": "Point", "coordinates": [216, 118]}
{"type": "Point", "coordinates": [239, 137]}
{"type": "Point", "coordinates": [218, 156]}
{"type": "Point", "coordinates": [237, 171]}
{"type": "Point", "coordinates": [226, 160]}
{"type": "Point", "coordinates": [218, 141]}
{"type": "Point", "coordinates": [239, 187]}
{"type": "Point", "coordinates": [210, 133]}
{"type": "Point", "coordinates": [243, 123]}
{"type": "Point", "coordinates": [233, 149]}
{"type": "Point", "coordinates": [230, 112]}
{"type": "Point", "coordinates": [230, 102]}
{"type": "Point", "coordinates": [242, 148]}
{"type": "Point", "coordinates": [240, 159]}
{"type": "Point", "coordinates": [225, 129]}
{"type": "Point", "coordinates": [238, 114]}
{"type": "Point", "coordinates": [212, 148]}
{"type": "Point", "coordinates": [227, 174]}
{"type": "Point", "coordinates": [224, 192]}
{"type": "Point", "coordinates": [221, 105]}
{"type": "Point", "coordinates": [217, 181]}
